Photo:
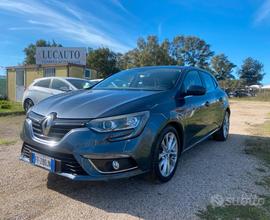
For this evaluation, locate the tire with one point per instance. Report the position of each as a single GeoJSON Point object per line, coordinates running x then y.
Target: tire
{"type": "Point", "coordinates": [223, 133]}
{"type": "Point", "coordinates": [28, 103]}
{"type": "Point", "coordinates": [165, 160]}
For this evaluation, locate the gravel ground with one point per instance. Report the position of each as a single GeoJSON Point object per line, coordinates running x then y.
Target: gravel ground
{"type": "Point", "coordinates": [210, 168]}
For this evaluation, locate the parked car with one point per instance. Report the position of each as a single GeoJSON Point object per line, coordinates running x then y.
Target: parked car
{"type": "Point", "coordinates": [243, 93]}
{"type": "Point", "coordinates": [45, 87]}
{"type": "Point", "coordinates": [118, 130]}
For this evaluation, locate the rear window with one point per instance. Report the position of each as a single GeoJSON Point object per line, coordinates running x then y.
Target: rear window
{"type": "Point", "coordinates": [59, 85]}
{"type": "Point", "coordinates": [45, 83]}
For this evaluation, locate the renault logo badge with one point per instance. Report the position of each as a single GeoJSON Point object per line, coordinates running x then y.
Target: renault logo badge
{"type": "Point", "coordinates": [47, 123]}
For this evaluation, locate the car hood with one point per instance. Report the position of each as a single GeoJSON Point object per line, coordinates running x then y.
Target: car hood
{"type": "Point", "coordinates": [97, 103]}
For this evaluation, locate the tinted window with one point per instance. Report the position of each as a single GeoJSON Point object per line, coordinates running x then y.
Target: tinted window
{"type": "Point", "coordinates": [59, 85]}
{"type": "Point", "coordinates": [209, 82]}
{"type": "Point", "coordinates": [80, 84]}
{"type": "Point", "coordinates": [43, 83]}
{"type": "Point", "coordinates": [192, 79]}
{"type": "Point", "coordinates": [141, 79]}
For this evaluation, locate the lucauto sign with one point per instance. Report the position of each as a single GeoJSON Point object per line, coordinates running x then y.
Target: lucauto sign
{"type": "Point", "coordinates": [60, 55]}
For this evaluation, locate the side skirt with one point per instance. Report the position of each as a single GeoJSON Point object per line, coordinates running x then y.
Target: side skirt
{"type": "Point", "coordinates": [204, 138]}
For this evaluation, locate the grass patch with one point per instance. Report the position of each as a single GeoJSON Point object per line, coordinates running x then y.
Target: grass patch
{"type": "Point", "coordinates": [7, 142]}
{"type": "Point", "coordinates": [266, 128]}
{"type": "Point", "coordinates": [236, 212]}
{"type": "Point", "coordinates": [259, 147]}
{"type": "Point", "coordinates": [10, 107]}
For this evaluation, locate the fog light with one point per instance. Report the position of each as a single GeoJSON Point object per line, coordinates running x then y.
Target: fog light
{"type": "Point", "coordinates": [115, 165]}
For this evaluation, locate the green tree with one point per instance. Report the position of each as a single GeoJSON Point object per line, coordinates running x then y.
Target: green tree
{"type": "Point", "coordinates": [251, 71]}
{"type": "Point", "coordinates": [221, 67]}
{"type": "Point", "coordinates": [177, 50]}
{"type": "Point", "coordinates": [148, 53]}
{"type": "Point", "coordinates": [103, 60]}
{"type": "Point", "coordinates": [191, 51]}
{"type": "Point", "coordinates": [129, 60]}
{"type": "Point", "coordinates": [231, 84]}
{"type": "Point", "coordinates": [30, 50]}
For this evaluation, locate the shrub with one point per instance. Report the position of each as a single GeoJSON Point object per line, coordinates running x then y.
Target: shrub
{"type": "Point", "coordinates": [6, 106]}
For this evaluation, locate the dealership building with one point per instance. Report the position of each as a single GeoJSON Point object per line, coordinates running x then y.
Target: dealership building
{"type": "Point", "coordinates": [50, 62]}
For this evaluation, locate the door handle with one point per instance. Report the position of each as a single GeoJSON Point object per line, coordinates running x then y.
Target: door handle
{"type": "Point", "coordinates": [207, 104]}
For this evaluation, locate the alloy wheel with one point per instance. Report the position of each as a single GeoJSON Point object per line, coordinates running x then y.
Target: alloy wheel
{"type": "Point", "coordinates": [226, 125]}
{"type": "Point", "coordinates": [168, 154]}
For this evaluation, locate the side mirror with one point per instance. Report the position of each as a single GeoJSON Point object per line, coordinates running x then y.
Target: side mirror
{"type": "Point", "coordinates": [196, 90]}
{"type": "Point", "coordinates": [65, 89]}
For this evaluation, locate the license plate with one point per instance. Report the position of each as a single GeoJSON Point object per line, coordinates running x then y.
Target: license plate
{"type": "Point", "coordinates": [43, 161]}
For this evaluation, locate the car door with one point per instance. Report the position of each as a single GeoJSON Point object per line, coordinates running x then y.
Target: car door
{"type": "Point", "coordinates": [59, 86]}
{"type": "Point", "coordinates": [195, 110]}
{"type": "Point", "coordinates": [41, 90]}
{"type": "Point", "coordinates": [212, 101]}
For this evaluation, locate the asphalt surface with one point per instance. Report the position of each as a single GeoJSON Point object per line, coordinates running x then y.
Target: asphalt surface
{"type": "Point", "coordinates": [212, 168]}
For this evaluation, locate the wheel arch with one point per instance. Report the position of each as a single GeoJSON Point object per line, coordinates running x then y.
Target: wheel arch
{"type": "Point", "coordinates": [178, 127]}
{"type": "Point", "coordinates": [228, 110]}
{"type": "Point", "coordinates": [180, 131]}
{"type": "Point", "coordinates": [24, 101]}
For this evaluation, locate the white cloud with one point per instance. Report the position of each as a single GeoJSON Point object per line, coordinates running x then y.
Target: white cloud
{"type": "Point", "coordinates": [263, 12]}
{"type": "Point", "coordinates": [120, 5]}
{"type": "Point", "coordinates": [22, 28]}
{"type": "Point", "coordinates": [62, 19]}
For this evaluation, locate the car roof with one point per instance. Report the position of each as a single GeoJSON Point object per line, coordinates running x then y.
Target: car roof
{"type": "Point", "coordinates": [167, 67]}
{"type": "Point", "coordinates": [57, 77]}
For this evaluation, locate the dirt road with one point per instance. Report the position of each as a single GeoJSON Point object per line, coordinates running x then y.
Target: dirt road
{"type": "Point", "coordinates": [211, 168]}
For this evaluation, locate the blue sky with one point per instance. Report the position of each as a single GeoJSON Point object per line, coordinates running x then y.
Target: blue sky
{"type": "Point", "coordinates": [238, 28]}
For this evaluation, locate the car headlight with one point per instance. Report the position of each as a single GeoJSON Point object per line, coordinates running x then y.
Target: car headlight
{"type": "Point", "coordinates": [128, 125]}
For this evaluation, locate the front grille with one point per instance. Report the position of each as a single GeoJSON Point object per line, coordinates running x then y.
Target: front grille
{"type": "Point", "coordinates": [59, 128]}
{"type": "Point", "coordinates": [65, 163]}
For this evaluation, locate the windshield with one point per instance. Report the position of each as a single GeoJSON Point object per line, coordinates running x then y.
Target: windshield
{"type": "Point", "coordinates": [141, 79]}
{"type": "Point", "coordinates": [80, 84]}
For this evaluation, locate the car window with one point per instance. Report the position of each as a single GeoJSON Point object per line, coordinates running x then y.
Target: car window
{"type": "Point", "coordinates": [192, 79]}
{"type": "Point", "coordinates": [209, 82]}
{"type": "Point", "coordinates": [43, 83]}
{"type": "Point", "coordinates": [81, 84]}
{"type": "Point", "coordinates": [59, 85]}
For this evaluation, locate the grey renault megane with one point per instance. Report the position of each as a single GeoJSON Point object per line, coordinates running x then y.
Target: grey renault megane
{"type": "Point", "coordinates": [135, 121]}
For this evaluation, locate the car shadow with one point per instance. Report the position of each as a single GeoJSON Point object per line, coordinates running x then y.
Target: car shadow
{"type": "Point", "coordinates": [207, 169]}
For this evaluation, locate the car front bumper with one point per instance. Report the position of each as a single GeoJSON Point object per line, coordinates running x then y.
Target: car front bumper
{"type": "Point", "coordinates": [81, 151]}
